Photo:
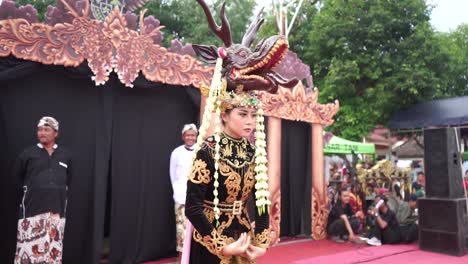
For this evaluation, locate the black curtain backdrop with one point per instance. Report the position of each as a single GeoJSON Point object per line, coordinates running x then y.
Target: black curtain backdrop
{"type": "Point", "coordinates": [296, 181]}
{"type": "Point", "coordinates": [145, 130]}
{"type": "Point", "coordinates": [121, 138]}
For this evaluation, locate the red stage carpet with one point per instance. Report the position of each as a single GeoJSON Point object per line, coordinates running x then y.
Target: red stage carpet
{"type": "Point", "coordinates": [358, 254]}
{"type": "Point", "coordinates": [327, 252]}
{"type": "Point", "coordinates": [290, 252]}
{"type": "Point", "coordinates": [421, 257]}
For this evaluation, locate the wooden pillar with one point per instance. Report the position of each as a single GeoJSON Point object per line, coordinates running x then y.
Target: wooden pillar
{"type": "Point", "coordinates": [318, 159]}
{"type": "Point", "coordinates": [318, 193]}
{"type": "Point", "coordinates": [274, 175]}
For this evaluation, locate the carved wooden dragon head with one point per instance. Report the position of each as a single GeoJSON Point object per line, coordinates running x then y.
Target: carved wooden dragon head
{"type": "Point", "coordinates": [251, 69]}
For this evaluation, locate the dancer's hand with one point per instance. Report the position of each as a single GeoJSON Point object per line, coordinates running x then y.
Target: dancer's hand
{"type": "Point", "coordinates": [238, 247]}
{"type": "Point", "coordinates": [254, 252]}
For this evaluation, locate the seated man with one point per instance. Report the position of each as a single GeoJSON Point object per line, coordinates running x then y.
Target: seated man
{"type": "Point", "coordinates": [407, 216]}
{"type": "Point", "coordinates": [386, 229]}
{"type": "Point", "coordinates": [342, 223]}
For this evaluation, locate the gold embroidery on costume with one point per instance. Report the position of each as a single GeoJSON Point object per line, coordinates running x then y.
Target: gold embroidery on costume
{"type": "Point", "coordinates": [214, 243]}
{"type": "Point", "coordinates": [236, 170]}
{"type": "Point", "coordinates": [241, 153]}
{"type": "Point", "coordinates": [236, 153]}
{"type": "Point", "coordinates": [244, 221]}
{"type": "Point", "coordinates": [225, 224]}
{"type": "Point", "coordinates": [263, 239]}
{"type": "Point", "coordinates": [249, 182]}
{"type": "Point", "coordinates": [209, 213]}
{"type": "Point", "coordinates": [225, 141]}
{"type": "Point", "coordinates": [227, 151]}
{"type": "Point", "coordinates": [244, 144]}
{"type": "Point", "coordinates": [199, 173]}
{"type": "Point", "coordinates": [209, 245]}
{"type": "Point", "coordinates": [232, 182]}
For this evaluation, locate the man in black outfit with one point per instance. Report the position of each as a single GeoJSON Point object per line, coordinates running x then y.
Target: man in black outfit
{"type": "Point", "coordinates": [342, 223]}
{"type": "Point", "coordinates": [386, 229]}
{"type": "Point", "coordinates": [44, 173]}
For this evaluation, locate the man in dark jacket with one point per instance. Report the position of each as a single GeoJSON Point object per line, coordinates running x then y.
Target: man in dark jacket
{"type": "Point", "coordinates": [44, 172]}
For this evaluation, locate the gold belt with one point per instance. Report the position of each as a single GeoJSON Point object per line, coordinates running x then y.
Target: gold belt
{"type": "Point", "coordinates": [234, 208]}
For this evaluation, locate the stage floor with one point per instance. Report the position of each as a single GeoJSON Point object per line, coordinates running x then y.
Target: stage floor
{"type": "Point", "coordinates": [326, 252]}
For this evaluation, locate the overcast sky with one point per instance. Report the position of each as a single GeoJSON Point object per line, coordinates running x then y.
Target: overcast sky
{"type": "Point", "coordinates": [448, 14]}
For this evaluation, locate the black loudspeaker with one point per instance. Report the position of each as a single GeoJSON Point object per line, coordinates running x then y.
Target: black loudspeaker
{"type": "Point", "coordinates": [442, 225]}
{"type": "Point", "coordinates": [442, 163]}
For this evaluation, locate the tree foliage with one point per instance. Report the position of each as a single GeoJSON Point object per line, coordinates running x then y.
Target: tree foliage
{"type": "Point", "coordinates": [376, 57]}
{"type": "Point", "coordinates": [455, 47]}
{"type": "Point", "coordinates": [185, 20]}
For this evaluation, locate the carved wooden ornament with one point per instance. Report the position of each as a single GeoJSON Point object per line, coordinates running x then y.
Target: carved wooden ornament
{"type": "Point", "coordinates": [107, 46]}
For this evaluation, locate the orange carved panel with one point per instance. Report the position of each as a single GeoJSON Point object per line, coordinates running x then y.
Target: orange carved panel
{"type": "Point", "coordinates": [297, 105]}
{"type": "Point", "coordinates": [107, 46]}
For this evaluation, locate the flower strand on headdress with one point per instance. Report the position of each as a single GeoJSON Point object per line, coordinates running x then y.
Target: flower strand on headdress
{"type": "Point", "coordinates": [217, 137]}
{"type": "Point", "coordinates": [212, 104]}
{"type": "Point", "coordinates": [262, 194]}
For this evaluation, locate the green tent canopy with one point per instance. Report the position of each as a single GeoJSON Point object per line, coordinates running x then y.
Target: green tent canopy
{"type": "Point", "coordinates": [338, 145]}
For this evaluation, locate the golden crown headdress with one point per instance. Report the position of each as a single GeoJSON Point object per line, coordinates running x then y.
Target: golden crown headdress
{"type": "Point", "coordinates": [231, 100]}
